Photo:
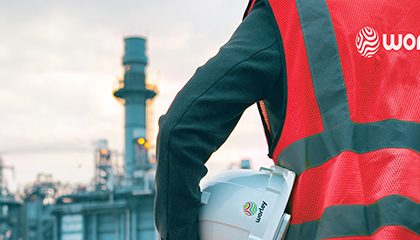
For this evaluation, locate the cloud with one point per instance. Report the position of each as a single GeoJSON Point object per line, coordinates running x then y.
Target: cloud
{"type": "Point", "coordinates": [58, 78]}
{"type": "Point", "coordinates": [61, 59]}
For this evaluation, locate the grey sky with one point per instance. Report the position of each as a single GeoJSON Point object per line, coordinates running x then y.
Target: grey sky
{"type": "Point", "coordinates": [60, 60]}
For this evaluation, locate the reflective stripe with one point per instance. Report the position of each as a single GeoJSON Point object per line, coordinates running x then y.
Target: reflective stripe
{"type": "Point", "coordinates": [356, 137]}
{"type": "Point", "coordinates": [359, 220]}
{"type": "Point", "coordinates": [386, 232]}
{"type": "Point", "coordinates": [324, 61]}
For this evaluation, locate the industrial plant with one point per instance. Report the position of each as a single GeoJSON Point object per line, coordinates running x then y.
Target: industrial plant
{"type": "Point", "coordinates": [118, 204]}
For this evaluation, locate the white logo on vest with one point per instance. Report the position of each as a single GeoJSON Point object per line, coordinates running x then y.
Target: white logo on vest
{"type": "Point", "coordinates": [367, 42]}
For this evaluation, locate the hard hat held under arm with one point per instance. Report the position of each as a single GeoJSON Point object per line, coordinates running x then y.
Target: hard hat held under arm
{"type": "Point", "coordinates": [246, 205]}
{"type": "Point", "coordinates": [203, 115]}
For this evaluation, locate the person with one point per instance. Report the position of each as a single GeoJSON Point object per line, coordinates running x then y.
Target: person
{"type": "Point", "coordinates": [337, 84]}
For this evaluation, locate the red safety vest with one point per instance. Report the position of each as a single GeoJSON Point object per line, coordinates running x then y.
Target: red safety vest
{"type": "Point", "coordinates": [352, 125]}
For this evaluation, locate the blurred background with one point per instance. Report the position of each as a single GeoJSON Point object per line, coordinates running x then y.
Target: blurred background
{"type": "Point", "coordinates": [63, 140]}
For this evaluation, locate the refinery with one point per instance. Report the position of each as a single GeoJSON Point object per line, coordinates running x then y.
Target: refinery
{"type": "Point", "coordinates": [118, 204]}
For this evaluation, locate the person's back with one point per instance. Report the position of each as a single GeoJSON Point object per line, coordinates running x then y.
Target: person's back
{"type": "Point", "coordinates": [352, 125]}
{"type": "Point", "coordinates": [338, 89]}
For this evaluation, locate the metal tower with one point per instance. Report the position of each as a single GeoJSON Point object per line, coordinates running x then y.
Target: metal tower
{"type": "Point", "coordinates": [39, 201]}
{"type": "Point", "coordinates": [134, 93]}
{"type": "Point", "coordinates": [3, 184]}
{"type": "Point", "coordinates": [103, 178]}
{"type": "Point", "coordinates": [121, 204]}
{"type": "Point", "coordinates": [10, 221]}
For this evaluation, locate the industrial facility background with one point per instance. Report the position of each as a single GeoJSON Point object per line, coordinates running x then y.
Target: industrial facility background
{"type": "Point", "coordinates": [118, 204]}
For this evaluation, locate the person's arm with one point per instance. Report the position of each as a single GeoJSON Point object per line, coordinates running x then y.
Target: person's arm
{"type": "Point", "coordinates": [247, 69]}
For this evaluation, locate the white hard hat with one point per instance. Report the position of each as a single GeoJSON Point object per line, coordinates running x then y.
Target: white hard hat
{"type": "Point", "coordinates": [246, 204]}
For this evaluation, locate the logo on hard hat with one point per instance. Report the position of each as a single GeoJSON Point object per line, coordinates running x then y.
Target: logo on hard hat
{"type": "Point", "coordinates": [250, 208]}
{"type": "Point", "coordinates": [367, 42]}
{"type": "Point", "coordinates": [261, 211]}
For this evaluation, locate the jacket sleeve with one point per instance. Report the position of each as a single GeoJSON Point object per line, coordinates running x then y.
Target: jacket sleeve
{"type": "Point", "coordinates": [203, 114]}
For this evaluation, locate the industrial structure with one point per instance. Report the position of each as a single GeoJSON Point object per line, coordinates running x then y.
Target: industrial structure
{"type": "Point", "coordinates": [135, 94]}
{"type": "Point", "coordinates": [120, 205]}
{"type": "Point", "coordinates": [38, 204]}
{"type": "Point", "coordinates": [119, 202]}
{"type": "Point", "coordinates": [10, 221]}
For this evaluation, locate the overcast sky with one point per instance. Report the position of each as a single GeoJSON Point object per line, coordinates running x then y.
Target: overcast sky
{"type": "Point", "coordinates": [60, 60]}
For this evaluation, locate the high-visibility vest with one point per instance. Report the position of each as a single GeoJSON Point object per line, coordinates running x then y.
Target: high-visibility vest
{"type": "Point", "coordinates": [352, 122]}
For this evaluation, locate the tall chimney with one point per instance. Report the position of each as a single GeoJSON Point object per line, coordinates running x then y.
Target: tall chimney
{"type": "Point", "coordinates": [135, 94]}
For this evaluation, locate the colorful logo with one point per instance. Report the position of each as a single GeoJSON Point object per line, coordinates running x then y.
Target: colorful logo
{"type": "Point", "coordinates": [367, 42]}
{"type": "Point", "coordinates": [250, 208]}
